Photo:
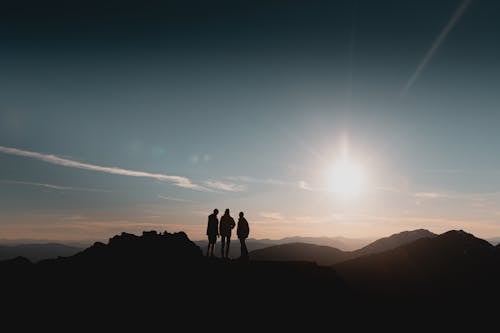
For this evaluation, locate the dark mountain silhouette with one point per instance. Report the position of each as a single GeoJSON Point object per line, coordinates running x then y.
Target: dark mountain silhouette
{"type": "Point", "coordinates": [14, 263]}
{"type": "Point", "coordinates": [393, 241]}
{"type": "Point", "coordinates": [450, 262]}
{"type": "Point", "coordinates": [322, 255]}
{"type": "Point", "coordinates": [165, 274]}
{"type": "Point", "coordinates": [325, 255]}
{"type": "Point", "coordinates": [36, 252]}
{"type": "Point", "coordinates": [341, 243]}
{"type": "Point", "coordinates": [133, 271]}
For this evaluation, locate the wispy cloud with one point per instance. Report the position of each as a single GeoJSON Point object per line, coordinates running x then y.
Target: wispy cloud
{"type": "Point", "coordinates": [390, 189]}
{"type": "Point", "coordinates": [230, 187]}
{"type": "Point", "coordinates": [74, 218]}
{"type": "Point", "coordinates": [173, 198]}
{"type": "Point", "coordinates": [304, 185]}
{"type": "Point", "coordinates": [435, 45]}
{"type": "Point", "coordinates": [176, 180]}
{"type": "Point", "coordinates": [474, 196]}
{"type": "Point", "coordinates": [271, 181]}
{"type": "Point", "coordinates": [278, 218]}
{"type": "Point", "coordinates": [55, 187]}
{"type": "Point", "coordinates": [272, 216]}
{"type": "Point", "coordinates": [247, 179]}
{"type": "Point", "coordinates": [452, 171]}
{"type": "Point", "coordinates": [431, 195]}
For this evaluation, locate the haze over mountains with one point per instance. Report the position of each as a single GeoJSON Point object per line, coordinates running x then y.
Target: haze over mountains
{"type": "Point", "coordinates": [36, 252]}
{"type": "Point", "coordinates": [342, 243]}
{"type": "Point", "coordinates": [314, 249]}
{"type": "Point", "coordinates": [326, 255]}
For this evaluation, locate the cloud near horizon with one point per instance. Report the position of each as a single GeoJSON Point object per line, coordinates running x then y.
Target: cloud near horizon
{"type": "Point", "coordinates": [276, 216]}
{"type": "Point", "coordinates": [431, 195]}
{"type": "Point", "coordinates": [176, 180]}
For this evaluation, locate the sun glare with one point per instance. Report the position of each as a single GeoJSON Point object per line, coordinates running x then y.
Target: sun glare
{"type": "Point", "coordinates": [346, 178]}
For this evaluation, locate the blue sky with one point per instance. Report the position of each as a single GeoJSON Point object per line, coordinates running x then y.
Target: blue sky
{"type": "Point", "coordinates": [124, 117]}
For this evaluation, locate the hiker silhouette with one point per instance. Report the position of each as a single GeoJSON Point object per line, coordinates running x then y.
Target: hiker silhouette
{"type": "Point", "coordinates": [226, 225]}
{"type": "Point", "coordinates": [242, 232]}
{"type": "Point", "coordinates": [212, 231]}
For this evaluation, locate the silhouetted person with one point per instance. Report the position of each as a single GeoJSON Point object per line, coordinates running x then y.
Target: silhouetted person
{"type": "Point", "coordinates": [212, 231]}
{"type": "Point", "coordinates": [226, 225]}
{"type": "Point", "coordinates": [242, 231]}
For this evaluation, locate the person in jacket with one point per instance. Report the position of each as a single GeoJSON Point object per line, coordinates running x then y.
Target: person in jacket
{"type": "Point", "coordinates": [242, 231]}
{"type": "Point", "coordinates": [212, 231]}
{"type": "Point", "coordinates": [226, 225]}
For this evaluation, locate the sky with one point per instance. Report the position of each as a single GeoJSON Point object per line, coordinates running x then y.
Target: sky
{"type": "Point", "coordinates": [129, 116]}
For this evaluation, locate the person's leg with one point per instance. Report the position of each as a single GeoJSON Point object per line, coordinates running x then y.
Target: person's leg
{"type": "Point", "coordinates": [241, 247]}
{"type": "Point", "coordinates": [223, 244]}
{"type": "Point", "coordinates": [227, 246]}
{"type": "Point", "coordinates": [244, 249]}
{"type": "Point", "coordinates": [211, 243]}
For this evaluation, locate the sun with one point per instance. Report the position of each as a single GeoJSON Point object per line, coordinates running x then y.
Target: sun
{"type": "Point", "coordinates": [346, 178]}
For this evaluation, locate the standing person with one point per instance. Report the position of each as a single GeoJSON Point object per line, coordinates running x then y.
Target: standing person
{"type": "Point", "coordinates": [226, 225]}
{"type": "Point", "coordinates": [212, 231]}
{"type": "Point", "coordinates": [242, 231]}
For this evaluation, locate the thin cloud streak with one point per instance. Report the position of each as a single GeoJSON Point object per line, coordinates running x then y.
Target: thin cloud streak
{"type": "Point", "coordinates": [301, 184]}
{"type": "Point", "coordinates": [230, 187]}
{"type": "Point", "coordinates": [173, 198]}
{"type": "Point", "coordinates": [431, 195]}
{"type": "Point", "coordinates": [54, 187]}
{"type": "Point", "coordinates": [272, 216]}
{"type": "Point", "coordinates": [247, 179]}
{"type": "Point", "coordinates": [437, 43]}
{"type": "Point", "coordinates": [176, 180]}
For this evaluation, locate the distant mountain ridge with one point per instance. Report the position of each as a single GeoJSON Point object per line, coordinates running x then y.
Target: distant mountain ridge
{"type": "Point", "coordinates": [325, 255]}
{"type": "Point", "coordinates": [450, 260]}
{"type": "Point", "coordinates": [36, 252]}
{"type": "Point", "coordinates": [393, 241]}
{"type": "Point", "coordinates": [341, 243]}
{"type": "Point", "coordinates": [322, 255]}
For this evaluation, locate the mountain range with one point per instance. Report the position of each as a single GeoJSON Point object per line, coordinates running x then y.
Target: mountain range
{"type": "Point", "coordinates": [37, 252]}
{"type": "Point", "coordinates": [166, 274]}
{"type": "Point", "coordinates": [341, 243]}
{"type": "Point", "coordinates": [450, 262]}
{"type": "Point", "coordinates": [326, 255]}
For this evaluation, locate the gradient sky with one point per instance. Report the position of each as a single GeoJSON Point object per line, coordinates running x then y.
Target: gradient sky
{"type": "Point", "coordinates": [129, 116]}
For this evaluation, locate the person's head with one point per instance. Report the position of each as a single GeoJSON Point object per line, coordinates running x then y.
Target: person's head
{"type": "Point", "coordinates": [227, 211]}
{"type": "Point", "coordinates": [216, 211]}
{"type": "Point", "coordinates": [241, 214]}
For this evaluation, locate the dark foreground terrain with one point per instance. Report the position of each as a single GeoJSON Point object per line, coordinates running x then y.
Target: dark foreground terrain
{"type": "Point", "coordinates": [157, 277]}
